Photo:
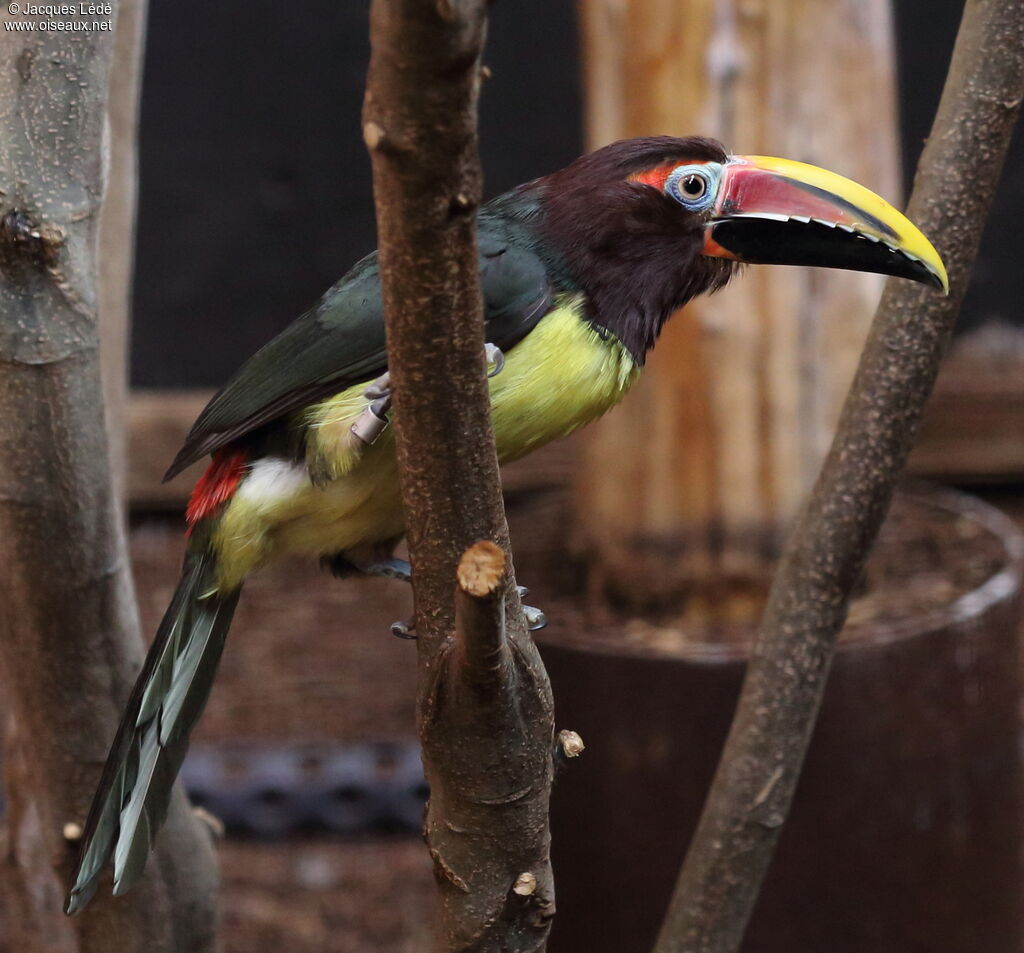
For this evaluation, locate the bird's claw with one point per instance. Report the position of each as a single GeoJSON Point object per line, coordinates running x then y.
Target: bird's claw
{"type": "Point", "coordinates": [379, 388]}
{"type": "Point", "coordinates": [495, 357]}
{"type": "Point", "coordinates": [404, 630]}
{"type": "Point", "coordinates": [535, 619]}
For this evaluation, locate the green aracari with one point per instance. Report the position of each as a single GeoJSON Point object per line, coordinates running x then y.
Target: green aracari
{"type": "Point", "coordinates": [580, 270]}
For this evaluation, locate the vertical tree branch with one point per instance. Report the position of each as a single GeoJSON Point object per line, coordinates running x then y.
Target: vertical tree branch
{"type": "Point", "coordinates": [487, 754]}
{"type": "Point", "coordinates": [69, 638]}
{"type": "Point", "coordinates": [753, 787]}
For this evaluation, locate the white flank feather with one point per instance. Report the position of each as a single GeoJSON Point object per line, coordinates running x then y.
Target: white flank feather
{"type": "Point", "coordinates": [272, 480]}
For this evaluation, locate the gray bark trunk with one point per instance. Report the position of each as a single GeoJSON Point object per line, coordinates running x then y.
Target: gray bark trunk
{"type": "Point", "coordinates": [69, 638]}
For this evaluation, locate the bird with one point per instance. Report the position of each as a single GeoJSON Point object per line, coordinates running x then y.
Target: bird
{"type": "Point", "coordinates": [580, 270]}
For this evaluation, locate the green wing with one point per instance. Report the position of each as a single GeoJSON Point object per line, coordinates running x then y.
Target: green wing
{"type": "Point", "coordinates": [340, 342]}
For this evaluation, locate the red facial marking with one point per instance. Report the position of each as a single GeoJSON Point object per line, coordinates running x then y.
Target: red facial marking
{"type": "Point", "coordinates": [216, 485]}
{"type": "Point", "coordinates": [656, 177]}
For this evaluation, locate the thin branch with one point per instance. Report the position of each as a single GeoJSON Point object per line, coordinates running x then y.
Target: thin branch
{"type": "Point", "coordinates": [753, 787]}
{"type": "Point", "coordinates": [487, 755]}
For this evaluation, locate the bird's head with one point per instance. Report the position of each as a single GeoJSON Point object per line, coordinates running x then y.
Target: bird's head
{"type": "Point", "coordinates": [644, 225]}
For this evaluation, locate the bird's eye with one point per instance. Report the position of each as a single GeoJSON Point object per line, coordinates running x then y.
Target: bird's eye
{"type": "Point", "coordinates": [694, 186]}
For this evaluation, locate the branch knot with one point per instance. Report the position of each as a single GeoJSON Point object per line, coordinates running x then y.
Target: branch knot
{"type": "Point", "coordinates": [21, 236]}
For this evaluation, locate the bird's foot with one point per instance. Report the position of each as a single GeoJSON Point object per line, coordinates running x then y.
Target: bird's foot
{"type": "Point", "coordinates": [344, 566]}
{"type": "Point", "coordinates": [535, 618]}
{"type": "Point", "coordinates": [401, 570]}
{"type": "Point", "coordinates": [393, 569]}
{"type": "Point", "coordinates": [373, 421]}
{"type": "Point", "coordinates": [388, 569]}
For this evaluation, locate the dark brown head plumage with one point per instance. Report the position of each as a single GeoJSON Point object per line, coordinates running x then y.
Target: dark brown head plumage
{"type": "Point", "coordinates": [631, 249]}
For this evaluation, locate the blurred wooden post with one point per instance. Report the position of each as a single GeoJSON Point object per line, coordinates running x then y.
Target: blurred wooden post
{"type": "Point", "coordinates": [688, 486]}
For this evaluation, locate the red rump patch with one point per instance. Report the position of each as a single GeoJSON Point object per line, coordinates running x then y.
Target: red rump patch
{"type": "Point", "coordinates": [216, 485]}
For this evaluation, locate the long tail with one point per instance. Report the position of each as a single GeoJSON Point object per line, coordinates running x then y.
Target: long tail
{"type": "Point", "coordinates": [131, 801]}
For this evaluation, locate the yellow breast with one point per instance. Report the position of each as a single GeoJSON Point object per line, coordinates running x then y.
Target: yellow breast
{"type": "Point", "coordinates": [562, 375]}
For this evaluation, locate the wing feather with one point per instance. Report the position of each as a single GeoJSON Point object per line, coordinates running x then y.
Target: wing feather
{"type": "Point", "coordinates": [340, 342]}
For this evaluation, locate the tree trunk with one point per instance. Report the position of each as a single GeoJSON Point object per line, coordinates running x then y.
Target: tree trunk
{"type": "Point", "coordinates": [695, 478]}
{"type": "Point", "coordinates": [117, 228]}
{"type": "Point", "coordinates": [824, 556]}
{"type": "Point", "coordinates": [69, 640]}
{"type": "Point", "coordinates": [483, 697]}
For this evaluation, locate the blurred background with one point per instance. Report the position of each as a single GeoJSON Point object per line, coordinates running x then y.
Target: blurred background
{"type": "Point", "coordinates": [255, 185]}
{"type": "Point", "coordinates": [255, 196]}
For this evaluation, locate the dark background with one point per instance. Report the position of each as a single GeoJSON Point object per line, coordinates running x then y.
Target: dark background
{"type": "Point", "coordinates": [255, 185]}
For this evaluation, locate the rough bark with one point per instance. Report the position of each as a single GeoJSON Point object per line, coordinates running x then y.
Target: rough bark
{"type": "Point", "coordinates": [69, 638]}
{"type": "Point", "coordinates": [757, 774]}
{"type": "Point", "coordinates": [487, 753]}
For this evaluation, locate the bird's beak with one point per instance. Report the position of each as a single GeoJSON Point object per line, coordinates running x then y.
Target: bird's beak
{"type": "Point", "coordinates": [778, 212]}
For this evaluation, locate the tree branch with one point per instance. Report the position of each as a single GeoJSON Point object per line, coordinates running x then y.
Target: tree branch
{"type": "Point", "coordinates": [69, 637]}
{"type": "Point", "coordinates": [753, 787]}
{"type": "Point", "coordinates": [487, 754]}
{"type": "Point", "coordinates": [480, 614]}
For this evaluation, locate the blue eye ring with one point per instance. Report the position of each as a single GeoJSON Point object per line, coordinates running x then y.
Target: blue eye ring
{"type": "Point", "coordinates": [694, 186]}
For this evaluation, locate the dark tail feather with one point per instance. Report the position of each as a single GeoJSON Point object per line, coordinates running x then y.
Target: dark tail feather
{"type": "Point", "coordinates": [131, 801]}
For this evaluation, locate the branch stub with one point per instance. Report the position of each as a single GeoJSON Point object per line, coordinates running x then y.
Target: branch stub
{"type": "Point", "coordinates": [525, 885]}
{"type": "Point", "coordinates": [72, 832]}
{"type": "Point", "coordinates": [571, 743]}
{"type": "Point", "coordinates": [374, 135]}
{"type": "Point", "coordinates": [481, 569]}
